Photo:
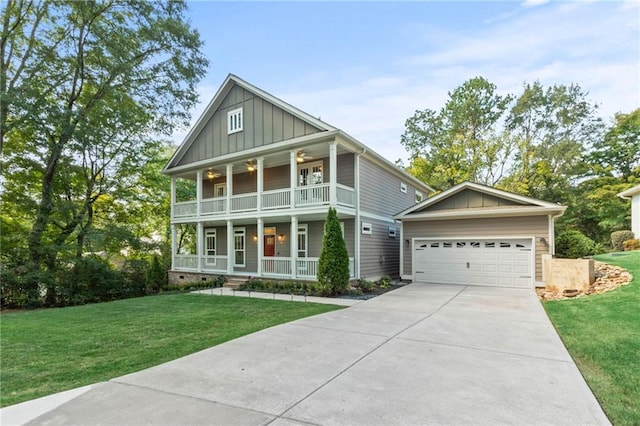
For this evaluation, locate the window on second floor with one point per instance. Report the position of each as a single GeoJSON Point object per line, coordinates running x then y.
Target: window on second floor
{"type": "Point", "coordinates": [234, 121]}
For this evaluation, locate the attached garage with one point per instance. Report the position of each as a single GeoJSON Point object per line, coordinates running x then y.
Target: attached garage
{"type": "Point", "coordinates": [477, 235]}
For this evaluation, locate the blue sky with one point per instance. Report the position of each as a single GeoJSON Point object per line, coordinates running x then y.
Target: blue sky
{"type": "Point", "coordinates": [365, 67]}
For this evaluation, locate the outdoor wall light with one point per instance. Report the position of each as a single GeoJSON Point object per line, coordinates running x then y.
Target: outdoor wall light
{"type": "Point", "coordinates": [255, 238]}
{"type": "Point", "coordinates": [281, 238]}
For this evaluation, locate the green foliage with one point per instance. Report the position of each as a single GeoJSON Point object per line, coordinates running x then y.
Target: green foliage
{"type": "Point", "coordinates": [461, 141]}
{"type": "Point", "coordinates": [630, 245]}
{"type": "Point", "coordinates": [92, 280]}
{"type": "Point", "coordinates": [618, 152]}
{"type": "Point", "coordinates": [366, 286]}
{"type": "Point", "coordinates": [385, 282]}
{"type": "Point", "coordinates": [619, 237]}
{"type": "Point", "coordinates": [573, 245]}
{"type": "Point", "coordinates": [302, 288]}
{"type": "Point", "coordinates": [156, 276]}
{"type": "Point", "coordinates": [86, 89]}
{"type": "Point", "coordinates": [333, 265]}
{"type": "Point", "coordinates": [20, 291]}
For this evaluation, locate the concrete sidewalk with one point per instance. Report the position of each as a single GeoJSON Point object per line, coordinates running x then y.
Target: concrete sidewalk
{"type": "Point", "coordinates": [224, 291]}
{"type": "Point", "coordinates": [422, 354]}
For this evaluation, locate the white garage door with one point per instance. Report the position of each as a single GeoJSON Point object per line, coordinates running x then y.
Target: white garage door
{"type": "Point", "coordinates": [503, 262]}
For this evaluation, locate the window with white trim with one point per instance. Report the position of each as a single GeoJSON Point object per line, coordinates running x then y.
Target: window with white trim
{"type": "Point", "coordinates": [302, 240]}
{"type": "Point", "coordinates": [210, 246]}
{"type": "Point", "coordinates": [234, 121]}
{"type": "Point", "coordinates": [239, 247]}
{"type": "Point", "coordinates": [393, 232]}
{"type": "Point", "coordinates": [403, 187]}
{"type": "Point", "coordinates": [419, 196]}
{"type": "Point", "coordinates": [367, 228]}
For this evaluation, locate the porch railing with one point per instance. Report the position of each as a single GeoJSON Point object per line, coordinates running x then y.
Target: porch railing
{"type": "Point", "coordinates": [244, 202]}
{"type": "Point", "coordinates": [186, 261]}
{"type": "Point", "coordinates": [276, 199]}
{"type": "Point", "coordinates": [214, 263]}
{"type": "Point", "coordinates": [279, 266]}
{"type": "Point", "coordinates": [346, 196]}
{"type": "Point", "coordinates": [312, 195]}
{"type": "Point", "coordinates": [213, 206]}
{"type": "Point", "coordinates": [185, 208]}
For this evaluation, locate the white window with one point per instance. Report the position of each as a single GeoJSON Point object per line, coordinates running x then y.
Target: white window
{"type": "Point", "coordinates": [234, 121]}
{"type": "Point", "coordinates": [310, 174]}
{"type": "Point", "coordinates": [210, 246]}
{"type": "Point", "coordinates": [367, 228]}
{"type": "Point", "coordinates": [418, 196]}
{"type": "Point", "coordinates": [342, 228]}
{"type": "Point", "coordinates": [239, 247]}
{"type": "Point", "coordinates": [403, 187]}
{"type": "Point", "coordinates": [302, 240]}
{"type": "Point", "coordinates": [219, 189]}
{"type": "Point", "coordinates": [393, 232]}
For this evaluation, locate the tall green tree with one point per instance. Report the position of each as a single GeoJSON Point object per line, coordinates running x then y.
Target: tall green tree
{"type": "Point", "coordinates": [85, 87]}
{"type": "Point", "coordinates": [333, 265]}
{"type": "Point", "coordinates": [463, 140]}
{"type": "Point", "coordinates": [553, 128]}
{"type": "Point", "coordinates": [618, 152]}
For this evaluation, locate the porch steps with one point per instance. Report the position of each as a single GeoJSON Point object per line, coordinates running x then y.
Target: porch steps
{"type": "Point", "coordinates": [235, 281]}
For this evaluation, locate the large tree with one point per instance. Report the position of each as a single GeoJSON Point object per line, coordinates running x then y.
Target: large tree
{"type": "Point", "coordinates": [462, 141]}
{"type": "Point", "coordinates": [86, 87]}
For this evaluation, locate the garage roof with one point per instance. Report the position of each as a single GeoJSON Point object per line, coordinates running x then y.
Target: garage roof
{"type": "Point", "coordinates": [470, 200]}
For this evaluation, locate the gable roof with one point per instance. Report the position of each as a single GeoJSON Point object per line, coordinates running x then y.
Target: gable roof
{"type": "Point", "coordinates": [635, 190]}
{"type": "Point", "coordinates": [519, 205]}
{"type": "Point", "coordinates": [231, 81]}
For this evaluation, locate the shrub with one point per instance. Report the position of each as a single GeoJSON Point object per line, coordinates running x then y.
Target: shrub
{"type": "Point", "coordinates": [134, 273]}
{"type": "Point", "coordinates": [333, 266]}
{"type": "Point", "coordinates": [156, 276]}
{"type": "Point", "coordinates": [385, 282]}
{"type": "Point", "coordinates": [366, 286]}
{"type": "Point", "coordinates": [573, 245]}
{"type": "Point", "coordinates": [631, 245]}
{"type": "Point", "coordinates": [91, 279]}
{"type": "Point", "coordinates": [19, 291]}
{"type": "Point", "coordinates": [618, 237]}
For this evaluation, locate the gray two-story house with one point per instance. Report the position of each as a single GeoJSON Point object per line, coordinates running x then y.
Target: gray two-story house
{"type": "Point", "coordinates": [263, 175]}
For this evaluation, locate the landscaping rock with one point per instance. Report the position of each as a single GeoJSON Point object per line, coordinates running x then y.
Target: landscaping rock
{"type": "Point", "coordinates": [608, 277]}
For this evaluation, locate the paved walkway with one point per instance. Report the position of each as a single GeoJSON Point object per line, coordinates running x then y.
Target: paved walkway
{"type": "Point", "coordinates": [422, 354]}
{"type": "Point", "coordinates": [224, 291]}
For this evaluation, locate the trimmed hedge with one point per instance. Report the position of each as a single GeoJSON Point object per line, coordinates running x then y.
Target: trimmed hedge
{"type": "Point", "coordinates": [574, 245]}
{"type": "Point", "coordinates": [619, 237]}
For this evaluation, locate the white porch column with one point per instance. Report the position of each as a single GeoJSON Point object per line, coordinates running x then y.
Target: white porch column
{"type": "Point", "coordinates": [260, 183]}
{"type": "Point", "coordinates": [174, 245]}
{"type": "Point", "coordinates": [200, 244]}
{"type": "Point", "coordinates": [173, 194]}
{"type": "Point", "coordinates": [357, 231]}
{"type": "Point", "coordinates": [294, 246]}
{"type": "Point", "coordinates": [333, 173]}
{"type": "Point", "coordinates": [230, 246]}
{"type": "Point", "coordinates": [260, 245]}
{"type": "Point", "coordinates": [198, 191]}
{"type": "Point", "coordinates": [293, 165]}
{"type": "Point", "coordinates": [229, 186]}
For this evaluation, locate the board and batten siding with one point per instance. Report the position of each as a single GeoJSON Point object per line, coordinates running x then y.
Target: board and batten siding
{"type": "Point", "coordinates": [527, 226]}
{"type": "Point", "coordinates": [379, 253]}
{"type": "Point", "coordinates": [469, 199]}
{"type": "Point", "coordinates": [380, 192]}
{"type": "Point", "coordinates": [263, 124]}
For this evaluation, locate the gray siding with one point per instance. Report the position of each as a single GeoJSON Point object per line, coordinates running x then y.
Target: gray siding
{"type": "Point", "coordinates": [380, 191]}
{"type": "Point", "coordinates": [468, 199]}
{"type": "Point", "coordinates": [534, 226]}
{"type": "Point", "coordinates": [245, 183]}
{"type": "Point", "coordinates": [379, 254]}
{"type": "Point", "coordinates": [251, 250]}
{"type": "Point", "coordinates": [316, 231]}
{"type": "Point", "coordinates": [263, 124]}
{"type": "Point", "coordinates": [277, 178]}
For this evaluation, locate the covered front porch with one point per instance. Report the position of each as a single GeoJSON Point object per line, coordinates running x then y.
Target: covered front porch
{"type": "Point", "coordinates": [269, 247]}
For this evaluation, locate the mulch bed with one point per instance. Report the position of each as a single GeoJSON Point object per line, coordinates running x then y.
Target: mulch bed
{"type": "Point", "coordinates": [608, 277]}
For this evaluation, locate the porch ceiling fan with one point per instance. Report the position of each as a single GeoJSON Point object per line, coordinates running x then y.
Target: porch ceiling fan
{"type": "Point", "coordinates": [301, 156]}
{"type": "Point", "coordinates": [251, 166]}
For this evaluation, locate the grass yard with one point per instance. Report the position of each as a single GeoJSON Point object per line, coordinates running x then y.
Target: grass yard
{"type": "Point", "coordinates": [602, 333]}
{"type": "Point", "coordinates": [52, 350]}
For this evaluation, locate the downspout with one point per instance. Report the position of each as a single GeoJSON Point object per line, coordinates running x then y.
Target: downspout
{"type": "Point", "coordinates": [356, 231]}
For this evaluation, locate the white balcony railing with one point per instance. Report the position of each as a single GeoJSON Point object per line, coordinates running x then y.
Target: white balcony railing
{"type": "Point", "coordinates": [185, 208]}
{"type": "Point", "coordinates": [244, 202]}
{"type": "Point", "coordinates": [280, 266]}
{"type": "Point", "coordinates": [312, 195]}
{"type": "Point", "coordinates": [278, 199]}
{"type": "Point", "coordinates": [213, 206]}
{"type": "Point", "coordinates": [304, 196]}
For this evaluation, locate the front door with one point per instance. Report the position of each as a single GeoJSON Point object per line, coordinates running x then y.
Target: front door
{"type": "Point", "coordinates": [269, 245]}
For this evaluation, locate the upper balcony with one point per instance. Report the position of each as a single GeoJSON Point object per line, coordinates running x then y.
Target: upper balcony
{"type": "Point", "coordinates": [291, 180]}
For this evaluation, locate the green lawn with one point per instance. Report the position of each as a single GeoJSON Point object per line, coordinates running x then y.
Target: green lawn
{"type": "Point", "coordinates": [51, 350]}
{"type": "Point", "coordinates": [602, 333]}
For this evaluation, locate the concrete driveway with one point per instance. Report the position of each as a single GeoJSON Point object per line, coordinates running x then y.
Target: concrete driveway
{"type": "Point", "coordinates": [422, 354]}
